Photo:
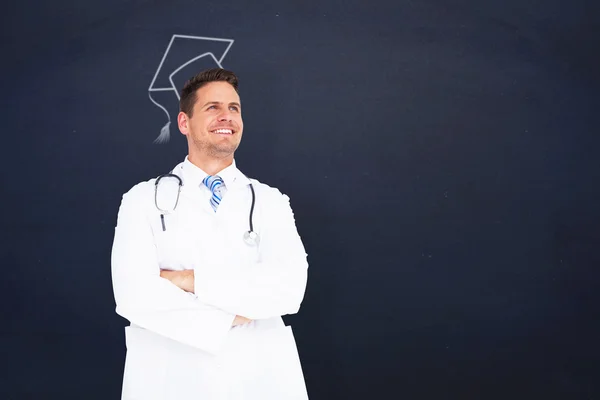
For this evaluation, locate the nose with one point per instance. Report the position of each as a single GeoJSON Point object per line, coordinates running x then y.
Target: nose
{"type": "Point", "coordinates": [225, 115]}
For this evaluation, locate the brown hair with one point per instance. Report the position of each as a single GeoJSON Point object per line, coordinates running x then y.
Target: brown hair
{"type": "Point", "coordinates": [188, 93]}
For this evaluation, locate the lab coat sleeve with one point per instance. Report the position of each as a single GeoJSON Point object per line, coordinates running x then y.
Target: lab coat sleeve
{"type": "Point", "coordinates": [146, 299]}
{"type": "Point", "coordinates": [275, 285]}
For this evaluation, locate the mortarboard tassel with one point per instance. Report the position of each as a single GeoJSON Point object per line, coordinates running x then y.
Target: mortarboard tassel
{"type": "Point", "coordinates": [165, 133]}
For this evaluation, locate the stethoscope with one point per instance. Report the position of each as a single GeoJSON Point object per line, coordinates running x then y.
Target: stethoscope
{"type": "Point", "coordinates": [250, 237]}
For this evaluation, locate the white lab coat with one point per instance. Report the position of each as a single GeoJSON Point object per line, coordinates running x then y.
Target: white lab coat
{"type": "Point", "coordinates": [181, 345]}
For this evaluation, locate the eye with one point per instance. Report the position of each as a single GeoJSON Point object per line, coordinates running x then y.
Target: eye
{"type": "Point", "coordinates": [234, 108]}
{"type": "Point", "coordinates": [212, 107]}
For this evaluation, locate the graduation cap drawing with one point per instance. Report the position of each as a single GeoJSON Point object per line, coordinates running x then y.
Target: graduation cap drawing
{"type": "Point", "coordinates": [184, 57]}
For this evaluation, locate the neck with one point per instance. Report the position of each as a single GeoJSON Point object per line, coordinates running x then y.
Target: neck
{"type": "Point", "coordinates": [210, 165]}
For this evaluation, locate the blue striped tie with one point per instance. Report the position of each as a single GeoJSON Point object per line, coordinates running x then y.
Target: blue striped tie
{"type": "Point", "coordinates": [215, 184]}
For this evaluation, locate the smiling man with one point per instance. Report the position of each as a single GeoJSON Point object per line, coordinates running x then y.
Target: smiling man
{"type": "Point", "coordinates": [211, 118]}
{"type": "Point", "coordinates": [204, 269]}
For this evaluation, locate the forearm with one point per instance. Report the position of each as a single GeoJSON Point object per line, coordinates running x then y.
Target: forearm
{"type": "Point", "coordinates": [184, 280]}
{"type": "Point", "coordinates": [149, 301]}
{"type": "Point", "coordinates": [154, 304]}
{"type": "Point", "coordinates": [273, 286]}
{"type": "Point", "coordinates": [266, 291]}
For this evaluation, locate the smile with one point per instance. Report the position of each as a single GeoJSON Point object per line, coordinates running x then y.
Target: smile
{"type": "Point", "coordinates": [223, 131]}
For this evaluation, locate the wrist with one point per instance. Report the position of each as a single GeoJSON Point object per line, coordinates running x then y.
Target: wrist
{"type": "Point", "coordinates": [188, 281]}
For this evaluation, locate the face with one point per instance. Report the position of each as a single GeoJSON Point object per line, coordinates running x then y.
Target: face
{"type": "Point", "coordinates": [215, 128]}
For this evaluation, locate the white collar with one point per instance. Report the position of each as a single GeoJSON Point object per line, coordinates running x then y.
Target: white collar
{"type": "Point", "coordinates": [193, 175]}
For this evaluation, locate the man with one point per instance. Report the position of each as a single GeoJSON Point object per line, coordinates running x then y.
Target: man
{"type": "Point", "coordinates": [204, 298]}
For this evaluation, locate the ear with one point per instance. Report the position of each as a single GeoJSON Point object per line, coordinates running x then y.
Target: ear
{"type": "Point", "coordinates": [183, 123]}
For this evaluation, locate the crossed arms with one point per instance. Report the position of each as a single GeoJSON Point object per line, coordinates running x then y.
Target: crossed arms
{"type": "Point", "coordinates": [198, 307]}
{"type": "Point", "coordinates": [184, 280]}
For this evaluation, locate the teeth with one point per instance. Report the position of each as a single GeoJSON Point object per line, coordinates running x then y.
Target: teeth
{"type": "Point", "coordinates": [227, 131]}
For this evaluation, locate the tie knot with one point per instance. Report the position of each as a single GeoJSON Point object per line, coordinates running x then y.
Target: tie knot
{"type": "Point", "coordinates": [213, 183]}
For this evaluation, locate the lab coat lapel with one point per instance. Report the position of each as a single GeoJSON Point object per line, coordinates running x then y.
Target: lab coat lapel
{"type": "Point", "coordinates": [195, 196]}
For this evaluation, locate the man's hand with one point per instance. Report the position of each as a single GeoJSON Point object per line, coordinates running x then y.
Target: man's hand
{"type": "Point", "coordinates": [239, 320]}
{"type": "Point", "coordinates": [182, 279]}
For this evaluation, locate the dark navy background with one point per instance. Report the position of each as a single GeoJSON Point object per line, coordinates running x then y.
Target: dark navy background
{"type": "Point", "coordinates": [441, 158]}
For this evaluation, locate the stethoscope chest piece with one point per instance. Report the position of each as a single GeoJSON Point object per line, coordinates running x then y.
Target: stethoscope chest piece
{"type": "Point", "coordinates": [251, 238]}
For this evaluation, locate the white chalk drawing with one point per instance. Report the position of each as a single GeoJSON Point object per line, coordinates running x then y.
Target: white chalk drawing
{"type": "Point", "coordinates": [165, 134]}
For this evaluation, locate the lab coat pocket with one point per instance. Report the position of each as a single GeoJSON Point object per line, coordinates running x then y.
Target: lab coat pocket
{"type": "Point", "coordinates": [192, 374]}
{"type": "Point", "coordinates": [278, 373]}
{"type": "Point", "coordinates": [144, 374]}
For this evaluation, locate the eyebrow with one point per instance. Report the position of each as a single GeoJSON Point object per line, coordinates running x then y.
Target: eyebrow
{"type": "Point", "coordinates": [219, 103]}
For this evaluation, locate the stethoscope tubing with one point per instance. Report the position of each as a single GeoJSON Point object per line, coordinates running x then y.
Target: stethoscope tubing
{"type": "Point", "coordinates": [249, 236]}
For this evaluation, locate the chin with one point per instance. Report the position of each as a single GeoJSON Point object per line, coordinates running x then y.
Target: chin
{"type": "Point", "coordinates": [224, 150]}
